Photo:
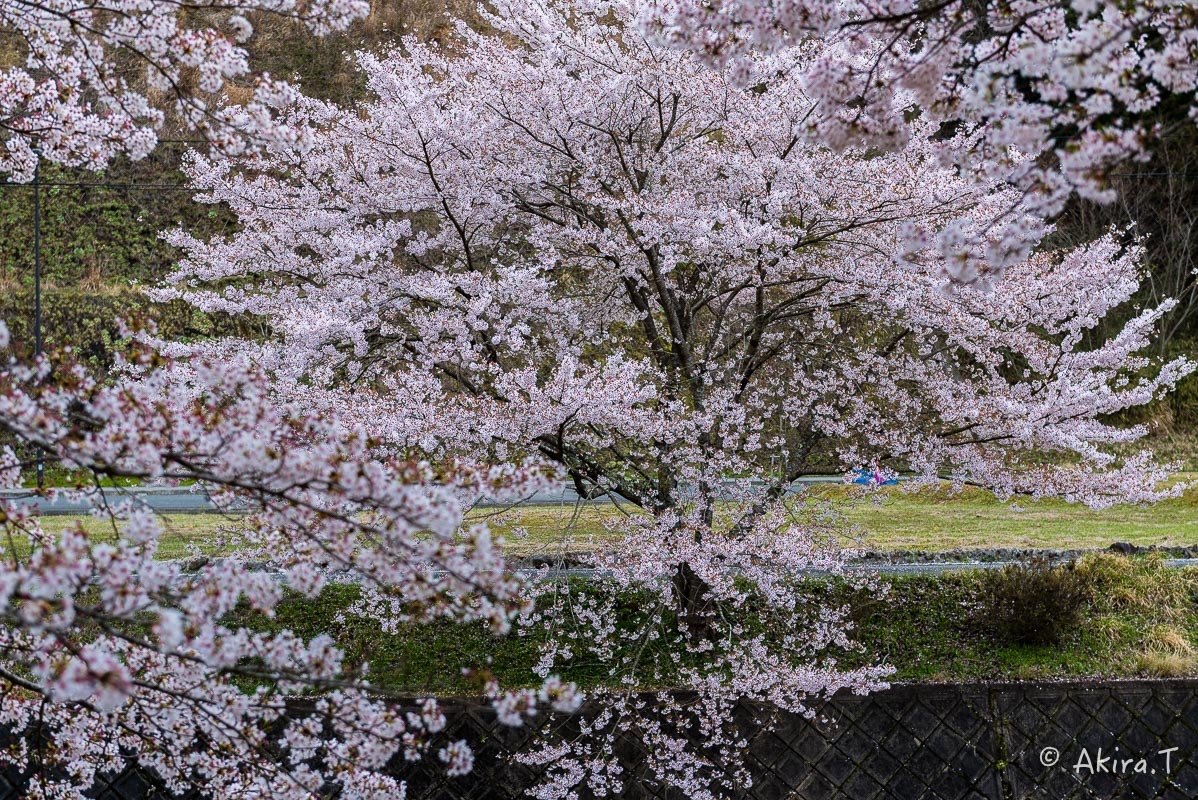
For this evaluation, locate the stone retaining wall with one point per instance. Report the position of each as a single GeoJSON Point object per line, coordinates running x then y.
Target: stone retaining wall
{"type": "Point", "coordinates": [1121, 739]}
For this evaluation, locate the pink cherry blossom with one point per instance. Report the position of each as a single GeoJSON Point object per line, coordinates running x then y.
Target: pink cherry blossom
{"type": "Point", "coordinates": [1048, 96]}
{"type": "Point", "coordinates": [71, 100]}
{"type": "Point", "coordinates": [78, 660]}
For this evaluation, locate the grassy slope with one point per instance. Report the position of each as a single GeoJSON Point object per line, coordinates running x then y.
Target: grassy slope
{"type": "Point", "coordinates": [1140, 619]}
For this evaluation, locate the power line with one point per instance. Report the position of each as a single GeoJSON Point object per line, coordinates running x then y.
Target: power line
{"type": "Point", "coordinates": [100, 185]}
{"type": "Point", "coordinates": [1153, 174]}
{"type": "Point", "coordinates": [80, 185]}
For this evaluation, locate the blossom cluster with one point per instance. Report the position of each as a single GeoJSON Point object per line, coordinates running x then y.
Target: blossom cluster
{"type": "Point", "coordinates": [111, 651]}
{"type": "Point", "coordinates": [74, 101]}
{"type": "Point", "coordinates": [1048, 95]}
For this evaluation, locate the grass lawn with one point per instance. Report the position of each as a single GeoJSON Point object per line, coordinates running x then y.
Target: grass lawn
{"type": "Point", "coordinates": [181, 532]}
{"type": "Point", "coordinates": [890, 520]}
{"type": "Point", "coordinates": [937, 520]}
{"type": "Point", "coordinates": [927, 520]}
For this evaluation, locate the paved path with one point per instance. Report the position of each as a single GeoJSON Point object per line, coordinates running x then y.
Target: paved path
{"type": "Point", "coordinates": [167, 500]}
{"type": "Point", "coordinates": [170, 500]}
{"type": "Point", "coordinates": [930, 568]}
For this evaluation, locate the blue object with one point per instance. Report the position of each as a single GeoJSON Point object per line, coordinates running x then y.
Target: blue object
{"type": "Point", "coordinates": [865, 477]}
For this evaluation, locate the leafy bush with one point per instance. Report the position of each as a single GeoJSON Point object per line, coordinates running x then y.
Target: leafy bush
{"type": "Point", "coordinates": [1033, 603]}
{"type": "Point", "coordinates": [100, 229]}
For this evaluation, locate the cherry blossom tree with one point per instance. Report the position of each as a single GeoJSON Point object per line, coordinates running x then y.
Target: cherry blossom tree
{"type": "Point", "coordinates": [570, 241]}
{"type": "Point", "coordinates": [1045, 94]}
{"type": "Point", "coordinates": [98, 76]}
{"type": "Point", "coordinates": [108, 653]}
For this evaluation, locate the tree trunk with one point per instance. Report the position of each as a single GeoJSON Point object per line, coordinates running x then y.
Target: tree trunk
{"type": "Point", "coordinates": [696, 606]}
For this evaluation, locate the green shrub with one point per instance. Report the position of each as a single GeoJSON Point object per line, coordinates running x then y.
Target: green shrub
{"type": "Point", "coordinates": [87, 323]}
{"type": "Point", "coordinates": [1032, 603]}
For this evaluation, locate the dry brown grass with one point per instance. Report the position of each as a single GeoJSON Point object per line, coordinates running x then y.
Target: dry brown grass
{"type": "Point", "coordinates": [1168, 654]}
{"type": "Point", "coordinates": [1168, 639]}
{"type": "Point", "coordinates": [1164, 665]}
{"type": "Point", "coordinates": [93, 276]}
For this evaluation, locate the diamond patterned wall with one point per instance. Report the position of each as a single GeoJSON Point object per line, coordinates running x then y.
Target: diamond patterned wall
{"type": "Point", "coordinates": [908, 743]}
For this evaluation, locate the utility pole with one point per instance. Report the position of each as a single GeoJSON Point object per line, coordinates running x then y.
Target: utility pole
{"type": "Point", "coordinates": [37, 290]}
